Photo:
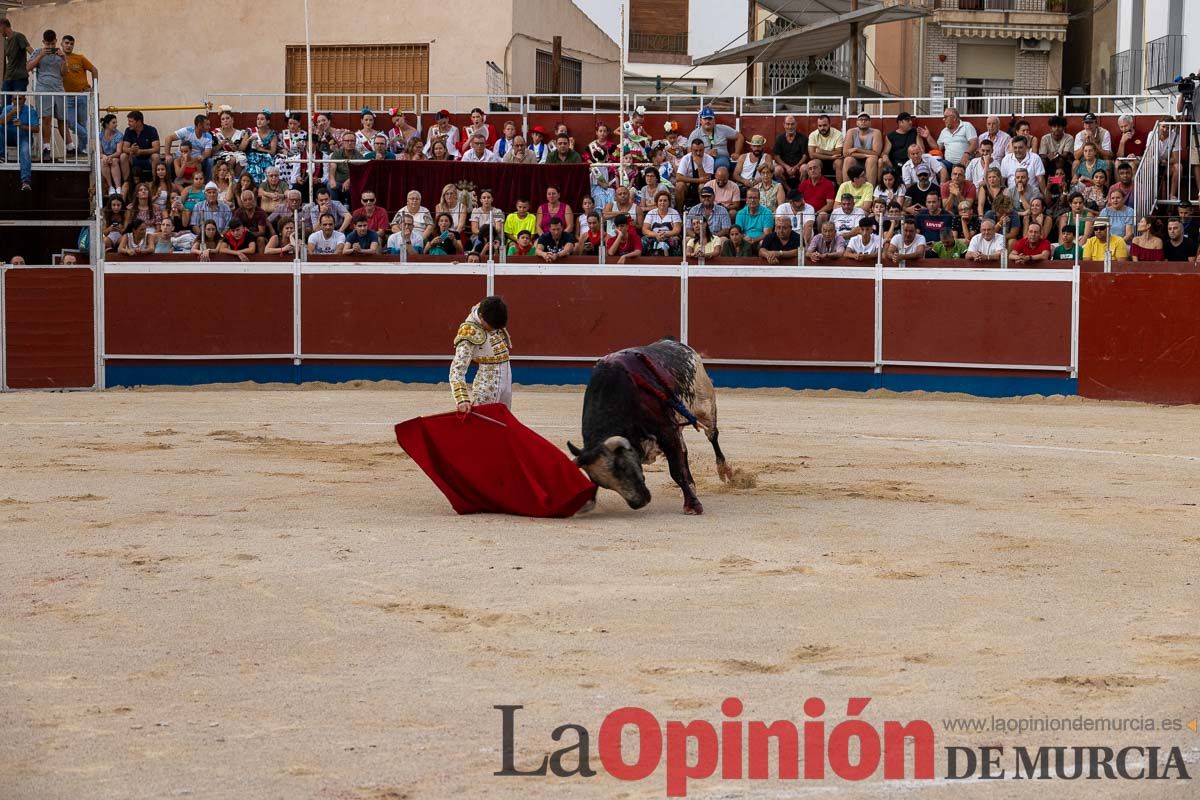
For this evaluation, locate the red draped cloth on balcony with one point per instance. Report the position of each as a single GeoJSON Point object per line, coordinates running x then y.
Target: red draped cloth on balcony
{"type": "Point", "coordinates": [487, 461]}
{"type": "Point", "coordinates": [393, 180]}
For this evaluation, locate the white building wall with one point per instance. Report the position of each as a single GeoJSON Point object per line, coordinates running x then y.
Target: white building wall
{"type": "Point", "coordinates": [712, 25]}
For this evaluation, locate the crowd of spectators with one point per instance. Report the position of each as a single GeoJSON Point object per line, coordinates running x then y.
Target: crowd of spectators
{"type": "Point", "coordinates": [910, 193]}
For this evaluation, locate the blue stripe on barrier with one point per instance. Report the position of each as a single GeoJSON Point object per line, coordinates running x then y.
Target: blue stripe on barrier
{"type": "Point", "coordinates": [195, 373]}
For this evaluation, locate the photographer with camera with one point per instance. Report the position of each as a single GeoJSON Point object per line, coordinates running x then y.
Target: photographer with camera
{"type": "Point", "coordinates": [49, 63]}
{"type": "Point", "coordinates": [1185, 105]}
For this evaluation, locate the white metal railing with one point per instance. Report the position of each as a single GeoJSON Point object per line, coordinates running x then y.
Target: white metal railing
{"type": "Point", "coordinates": [1146, 104]}
{"type": "Point", "coordinates": [1022, 105]}
{"type": "Point", "coordinates": [63, 121]}
{"type": "Point", "coordinates": [770, 105]}
{"type": "Point", "coordinates": [1164, 172]}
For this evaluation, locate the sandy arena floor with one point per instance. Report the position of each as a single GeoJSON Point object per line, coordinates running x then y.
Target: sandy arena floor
{"type": "Point", "coordinates": [255, 594]}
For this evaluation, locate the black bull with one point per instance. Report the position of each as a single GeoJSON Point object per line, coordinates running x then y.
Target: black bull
{"type": "Point", "coordinates": [635, 406]}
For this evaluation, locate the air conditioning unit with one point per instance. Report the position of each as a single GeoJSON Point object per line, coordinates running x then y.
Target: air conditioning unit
{"type": "Point", "coordinates": [1035, 45]}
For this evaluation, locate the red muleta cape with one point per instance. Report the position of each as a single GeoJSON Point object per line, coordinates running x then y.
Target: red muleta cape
{"type": "Point", "coordinates": [488, 462]}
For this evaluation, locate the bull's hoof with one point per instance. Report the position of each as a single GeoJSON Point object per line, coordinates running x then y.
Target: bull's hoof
{"type": "Point", "coordinates": [724, 472]}
{"type": "Point", "coordinates": [693, 508]}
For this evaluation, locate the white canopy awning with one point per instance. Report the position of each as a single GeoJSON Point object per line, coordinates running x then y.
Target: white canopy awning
{"type": "Point", "coordinates": [823, 26]}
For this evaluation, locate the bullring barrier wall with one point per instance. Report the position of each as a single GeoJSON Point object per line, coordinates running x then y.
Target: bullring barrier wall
{"type": "Point", "coordinates": [1131, 334]}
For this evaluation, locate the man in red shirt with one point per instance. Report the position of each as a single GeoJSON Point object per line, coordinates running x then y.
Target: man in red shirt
{"type": "Point", "coordinates": [625, 244]}
{"type": "Point", "coordinates": [817, 190]}
{"type": "Point", "coordinates": [1033, 248]}
{"type": "Point", "coordinates": [377, 218]}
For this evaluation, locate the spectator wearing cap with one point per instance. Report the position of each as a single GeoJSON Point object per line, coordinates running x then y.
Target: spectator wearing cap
{"type": "Point", "coordinates": [1092, 132]}
{"type": "Point", "coordinates": [211, 208]}
{"type": "Point", "coordinates": [958, 140]}
{"type": "Point", "coordinates": [846, 216]}
{"type": "Point", "coordinates": [539, 144]}
{"type": "Point", "coordinates": [917, 161]}
{"type": "Point", "coordinates": [696, 168]}
{"type": "Point", "coordinates": [999, 139]}
{"type": "Point", "coordinates": [716, 217]}
{"type": "Point", "coordinates": [1102, 241]}
{"type": "Point", "coordinates": [745, 171]}
{"type": "Point", "coordinates": [862, 147]}
{"type": "Point", "coordinates": [479, 124]}
{"type": "Point", "coordinates": [401, 133]}
{"type": "Point", "coordinates": [716, 139]}
{"type": "Point", "coordinates": [1057, 148]}
{"type": "Point", "coordinates": [791, 153]}
{"type": "Point", "coordinates": [896, 142]}
{"type": "Point", "coordinates": [478, 152]}
{"type": "Point", "coordinates": [825, 147]}
{"type": "Point", "coordinates": [443, 130]}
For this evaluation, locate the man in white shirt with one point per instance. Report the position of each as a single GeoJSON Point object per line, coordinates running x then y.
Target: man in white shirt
{"type": "Point", "coordinates": [958, 139]}
{"type": "Point", "coordinates": [985, 245]}
{"type": "Point", "coordinates": [979, 166]}
{"type": "Point", "coordinates": [1092, 132]}
{"type": "Point", "coordinates": [802, 215]}
{"type": "Point", "coordinates": [479, 151]}
{"type": "Point", "coordinates": [917, 158]}
{"type": "Point", "coordinates": [1019, 157]}
{"type": "Point", "coordinates": [846, 217]}
{"type": "Point", "coordinates": [999, 139]}
{"type": "Point", "coordinates": [864, 244]}
{"type": "Point", "coordinates": [695, 169]}
{"type": "Point", "coordinates": [326, 241]}
{"type": "Point", "coordinates": [908, 245]}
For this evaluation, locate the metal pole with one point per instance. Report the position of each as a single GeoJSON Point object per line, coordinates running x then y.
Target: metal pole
{"type": "Point", "coordinates": [308, 97]}
{"type": "Point", "coordinates": [853, 91]}
{"type": "Point", "coordinates": [621, 176]}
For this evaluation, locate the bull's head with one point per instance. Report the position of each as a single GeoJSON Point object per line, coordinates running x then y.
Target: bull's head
{"type": "Point", "coordinates": [614, 464]}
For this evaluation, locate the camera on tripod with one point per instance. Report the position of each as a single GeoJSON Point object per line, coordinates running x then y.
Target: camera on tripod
{"type": "Point", "coordinates": [1186, 84]}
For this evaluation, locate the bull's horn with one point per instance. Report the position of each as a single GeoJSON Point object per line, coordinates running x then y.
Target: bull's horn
{"type": "Point", "coordinates": [617, 443]}
{"type": "Point", "coordinates": [575, 451]}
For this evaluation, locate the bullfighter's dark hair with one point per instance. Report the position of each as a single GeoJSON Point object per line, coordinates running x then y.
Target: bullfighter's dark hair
{"type": "Point", "coordinates": [494, 312]}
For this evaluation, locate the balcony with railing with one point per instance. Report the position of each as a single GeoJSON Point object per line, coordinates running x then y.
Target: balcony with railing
{"type": "Point", "coordinates": [649, 47]}
{"type": "Point", "coordinates": [1123, 72]}
{"type": "Point", "coordinates": [1164, 60]}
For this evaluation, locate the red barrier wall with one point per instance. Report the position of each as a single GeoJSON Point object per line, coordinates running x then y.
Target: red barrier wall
{"type": "Point", "coordinates": [588, 315]}
{"type": "Point", "coordinates": [1139, 338]}
{"type": "Point", "coordinates": [198, 314]}
{"type": "Point", "coordinates": [49, 327]}
{"type": "Point", "coordinates": [385, 314]}
{"type": "Point", "coordinates": [977, 322]}
{"type": "Point", "coordinates": [782, 319]}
